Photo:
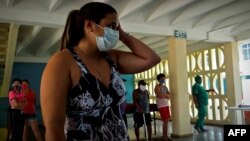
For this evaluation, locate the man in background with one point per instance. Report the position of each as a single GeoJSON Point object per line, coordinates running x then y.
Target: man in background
{"type": "Point", "coordinates": [142, 112]}
{"type": "Point", "coordinates": [200, 97]}
{"type": "Point", "coordinates": [162, 100]}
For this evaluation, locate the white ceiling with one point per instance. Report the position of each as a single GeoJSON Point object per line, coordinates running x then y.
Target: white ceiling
{"type": "Point", "coordinates": [206, 22]}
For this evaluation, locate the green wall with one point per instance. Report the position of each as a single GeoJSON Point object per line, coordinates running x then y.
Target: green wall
{"type": "Point", "coordinates": [33, 72]}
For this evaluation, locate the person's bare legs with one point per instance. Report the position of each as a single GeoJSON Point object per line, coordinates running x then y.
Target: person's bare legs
{"type": "Point", "coordinates": [26, 130]}
{"type": "Point", "coordinates": [165, 130]}
{"type": "Point", "coordinates": [137, 134]}
{"type": "Point", "coordinates": [35, 129]}
{"type": "Point", "coordinates": [149, 128]}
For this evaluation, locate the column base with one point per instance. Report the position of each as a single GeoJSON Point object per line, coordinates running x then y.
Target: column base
{"type": "Point", "coordinates": [180, 136]}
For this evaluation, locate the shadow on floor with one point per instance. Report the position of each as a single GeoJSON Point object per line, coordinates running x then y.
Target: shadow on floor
{"type": "Point", "coordinates": [214, 133]}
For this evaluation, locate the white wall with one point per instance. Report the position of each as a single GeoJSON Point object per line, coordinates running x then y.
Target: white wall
{"type": "Point", "coordinates": [245, 71]}
{"type": "Point", "coordinates": [246, 91]}
{"type": "Point", "coordinates": [244, 67]}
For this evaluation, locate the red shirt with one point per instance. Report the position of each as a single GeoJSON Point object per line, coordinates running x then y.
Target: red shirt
{"type": "Point", "coordinates": [30, 106]}
{"type": "Point", "coordinates": [18, 96]}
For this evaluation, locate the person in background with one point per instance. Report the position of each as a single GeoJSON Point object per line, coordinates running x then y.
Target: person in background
{"type": "Point", "coordinates": [162, 101]}
{"type": "Point", "coordinates": [141, 102]}
{"type": "Point", "coordinates": [29, 111]}
{"type": "Point", "coordinates": [9, 123]}
{"type": "Point", "coordinates": [81, 86]}
{"type": "Point", "coordinates": [200, 98]}
{"type": "Point", "coordinates": [17, 101]}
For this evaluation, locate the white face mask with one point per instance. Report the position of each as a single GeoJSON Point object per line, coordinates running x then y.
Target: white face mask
{"type": "Point", "coordinates": [108, 40]}
{"type": "Point", "coordinates": [16, 86]}
{"type": "Point", "coordinates": [142, 88]}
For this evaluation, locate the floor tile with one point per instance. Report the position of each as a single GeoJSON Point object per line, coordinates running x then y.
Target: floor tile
{"type": "Point", "coordinates": [214, 133]}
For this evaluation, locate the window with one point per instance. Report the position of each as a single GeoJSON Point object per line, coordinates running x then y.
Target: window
{"type": "Point", "coordinates": [246, 51]}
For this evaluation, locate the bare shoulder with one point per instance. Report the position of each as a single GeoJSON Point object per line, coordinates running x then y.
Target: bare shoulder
{"type": "Point", "coordinates": [59, 64]}
{"type": "Point", "coordinates": [59, 60]}
{"type": "Point", "coordinates": [61, 57]}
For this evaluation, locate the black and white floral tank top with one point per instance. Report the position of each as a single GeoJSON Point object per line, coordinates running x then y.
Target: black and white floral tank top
{"type": "Point", "coordinates": [93, 110]}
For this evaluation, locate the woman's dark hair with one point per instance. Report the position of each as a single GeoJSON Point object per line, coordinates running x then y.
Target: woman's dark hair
{"type": "Point", "coordinates": [159, 76]}
{"type": "Point", "coordinates": [74, 28]}
{"type": "Point", "coordinates": [14, 80]}
{"type": "Point", "coordinates": [26, 80]}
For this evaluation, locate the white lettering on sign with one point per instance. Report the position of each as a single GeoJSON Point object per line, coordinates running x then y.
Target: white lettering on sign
{"type": "Point", "coordinates": [235, 132]}
{"type": "Point", "coordinates": [180, 34]}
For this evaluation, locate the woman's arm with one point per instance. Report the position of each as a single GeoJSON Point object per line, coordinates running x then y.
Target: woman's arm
{"type": "Point", "coordinates": [17, 105]}
{"type": "Point", "coordinates": [141, 58]}
{"type": "Point", "coordinates": [168, 95]}
{"type": "Point", "coordinates": [135, 100]}
{"type": "Point", "coordinates": [54, 88]}
{"type": "Point", "coordinates": [159, 93]}
{"type": "Point", "coordinates": [34, 97]}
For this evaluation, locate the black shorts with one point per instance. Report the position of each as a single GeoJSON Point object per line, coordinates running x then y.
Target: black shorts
{"type": "Point", "coordinates": [29, 116]}
{"type": "Point", "coordinates": [139, 121]}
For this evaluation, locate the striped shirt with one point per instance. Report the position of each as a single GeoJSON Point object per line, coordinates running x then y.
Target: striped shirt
{"type": "Point", "coordinates": [162, 102]}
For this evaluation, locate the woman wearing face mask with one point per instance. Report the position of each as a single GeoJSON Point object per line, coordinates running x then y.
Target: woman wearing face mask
{"type": "Point", "coordinates": [162, 98]}
{"type": "Point", "coordinates": [17, 101]}
{"type": "Point", "coordinates": [81, 86]}
{"type": "Point", "coordinates": [29, 111]}
{"type": "Point", "coordinates": [141, 102]}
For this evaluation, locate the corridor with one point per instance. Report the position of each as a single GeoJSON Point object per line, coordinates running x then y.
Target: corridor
{"type": "Point", "coordinates": [215, 133]}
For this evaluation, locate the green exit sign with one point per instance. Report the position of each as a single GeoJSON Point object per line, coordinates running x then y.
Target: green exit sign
{"type": "Point", "coordinates": [180, 34]}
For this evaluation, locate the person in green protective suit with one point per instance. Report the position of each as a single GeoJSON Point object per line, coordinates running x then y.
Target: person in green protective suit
{"type": "Point", "coordinates": [200, 97]}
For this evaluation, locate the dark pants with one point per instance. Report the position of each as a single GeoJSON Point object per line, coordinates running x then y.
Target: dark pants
{"type": "Point", "coordinates": [202, 113]}
{"type": "Point", "coordinates": [9, 123]}
{"type": "Point", "coordinates": [17, 120]}
{"type": "Point", "coordinates": [139, 121]}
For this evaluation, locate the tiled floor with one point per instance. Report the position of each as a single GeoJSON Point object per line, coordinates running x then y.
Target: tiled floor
{"type": "Point", "coordinates": [214, 133]}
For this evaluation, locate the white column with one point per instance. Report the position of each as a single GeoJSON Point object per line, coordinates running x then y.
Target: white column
{"type": "Point", "coordinates": [178, 79]}
{"type": "Point", "coordinates": [233, 80]}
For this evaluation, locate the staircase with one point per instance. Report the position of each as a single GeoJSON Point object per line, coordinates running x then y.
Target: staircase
{"type": "Point", "coordinates": [4, 33]}
{"type": "Point", "coordinates": [8, 40]}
